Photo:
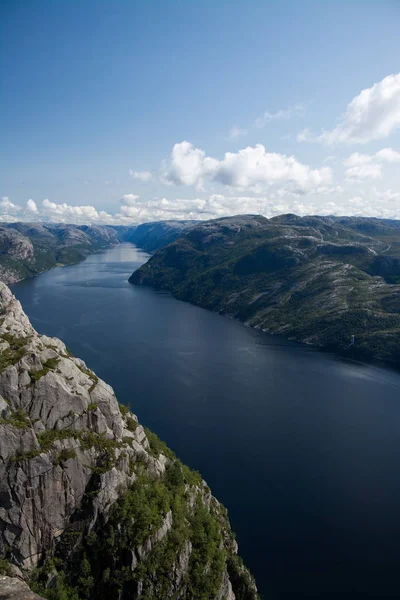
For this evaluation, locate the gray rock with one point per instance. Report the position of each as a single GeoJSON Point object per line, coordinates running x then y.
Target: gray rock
{"type": "Point", "coordinates": [12, 588]}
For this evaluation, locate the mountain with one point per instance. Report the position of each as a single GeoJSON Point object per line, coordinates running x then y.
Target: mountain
{"type": "Point", "coordinates": [92, 505]}
{"type": "Point", "coordinates": [318, 280]}
{"type": "Point", "coordinates": [27, 249]}
{"type": "Point", "coordinates": [154, 235]}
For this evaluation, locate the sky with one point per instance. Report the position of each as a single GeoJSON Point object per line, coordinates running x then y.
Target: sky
{"type": "Point", "coordinates": [120, 112]}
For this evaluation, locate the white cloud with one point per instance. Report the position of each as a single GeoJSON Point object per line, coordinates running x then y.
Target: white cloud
{"type": "Point", "coordinates": [31, 206]}
{"type": "Point", "coordinates": [7, 208]}
{"type": "Point", "coordinates": [142, 175]}
{"type": "Point", "coordinates": [252, 168]}
{"type": "Point", "coordinates": [283, 114]}
{"type": "Point", "coordinates": [129, 199]}
{"type": "Point", "coordinates": [188, 165]}
{"type": "Point", "coordinates": [372, 115]}
{"type": "Point", "coordinates": [387, 196]}
{"type": "Point", "coordinates": [369, 166]}
{"type": "Point", "coordinates": [66, 213]}
{"type": "Point", "coordinates": [366, 171]}
{"type": "Point", "coordinates": [236, 131]}
{"type": "Point", "coordinates": [134, 209]}
{"type": "Point", "coordinates": [388, 155]}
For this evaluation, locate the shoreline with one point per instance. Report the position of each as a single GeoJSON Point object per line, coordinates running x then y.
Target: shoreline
{"type": "Point", "coordinates": [357, 356]}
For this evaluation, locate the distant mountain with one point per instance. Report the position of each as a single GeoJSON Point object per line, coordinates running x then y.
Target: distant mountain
{"type": "Point", "coordinates": [315, 279]}
{"type": "Point", "coordinates": [151, 236]}
{"type": "Point", "coordinates": [27, 249]}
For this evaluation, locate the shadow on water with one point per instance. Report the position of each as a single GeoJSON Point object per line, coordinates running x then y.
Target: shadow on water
{"type": "Point", "coordinates": [301, 446]}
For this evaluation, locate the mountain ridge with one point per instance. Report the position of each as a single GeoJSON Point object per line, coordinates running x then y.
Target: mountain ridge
{"type": "Point", "coordinates": [28, 249]}
{"type": "Point", "coordinates": [318, 280]}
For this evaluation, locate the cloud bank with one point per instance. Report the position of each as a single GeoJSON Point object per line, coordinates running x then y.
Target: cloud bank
{"type": "Point", "coordinates": [372, 115]}
{"type": "Point", "coordinates": [252, 168]}
{"type": "Point", "coordinates": [133, 209]}
{"type": "Point", "coordinates": [369, 166]}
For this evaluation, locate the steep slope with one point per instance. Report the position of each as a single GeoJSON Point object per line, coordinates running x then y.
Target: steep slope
{"type": "Point", "coordinates": [311, 279]}
{"type": "Point", "coordinates": [92, 505]}
{"type": "Point", "coordinates": [27, 249]}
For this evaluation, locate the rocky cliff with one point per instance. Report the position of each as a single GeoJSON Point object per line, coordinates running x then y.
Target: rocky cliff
{"type": "Point", "coordinates": [318, 280]}
{"type": "Point", "coordinates": [92, 505]}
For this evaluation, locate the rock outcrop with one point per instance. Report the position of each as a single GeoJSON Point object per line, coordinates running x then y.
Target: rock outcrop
{"type": "Point", "coordinates": [12, 588]}
{"type": "Point", "coordinates": [91, 501]}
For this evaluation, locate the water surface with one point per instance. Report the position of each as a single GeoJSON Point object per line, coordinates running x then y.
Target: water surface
{"type": "Point", "coordinates": [302, 447]}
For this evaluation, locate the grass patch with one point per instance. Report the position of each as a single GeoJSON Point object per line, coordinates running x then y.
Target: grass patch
{"type": "Point", "coordinates": [5, 567]}
{"type": "Point", "coordinates": [131, 424]}
{"type": "Point", "coordinates": [64, 455]}
{"type": "Point", "coordinates": [157, 446]}
{"type": "Point", "coordinates": [47, 438]}
{"type": "Point", "coordinates": [91, 375]}
{"type": "Point", "coordinates": [123, 409]}
{"type": "Point", "coordinates": [48, 366]}
{"type": "Point", "coordinates": [18, 419]}
{"type": "Point", "coordinates": [15, 352]}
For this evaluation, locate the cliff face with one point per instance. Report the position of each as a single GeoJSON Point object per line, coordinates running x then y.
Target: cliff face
{"type": "Point", "coordinates": [92, 505]}
{"type": "Point", "coordinates": [319, 280]}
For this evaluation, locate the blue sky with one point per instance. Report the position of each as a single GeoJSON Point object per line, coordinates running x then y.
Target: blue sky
{"type": "Point", "coordinates": [117, 111]}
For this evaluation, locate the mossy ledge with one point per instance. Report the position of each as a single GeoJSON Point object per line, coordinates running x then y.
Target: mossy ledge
{"type": "Point", "coordinates": [94, 506]}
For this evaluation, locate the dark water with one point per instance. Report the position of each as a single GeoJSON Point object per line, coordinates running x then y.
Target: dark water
{"type": "Point", "coordinates": [302, 448]}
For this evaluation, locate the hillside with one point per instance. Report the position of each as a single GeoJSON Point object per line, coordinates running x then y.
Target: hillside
{"type": "Point", "coordinates": [27, 249]}
{"type": "Point", "coordinates": [154, 235]}
{"type": "Point", "coordinates": [318, 280]}
{"type": "Point", "coordinates": [93, 505]}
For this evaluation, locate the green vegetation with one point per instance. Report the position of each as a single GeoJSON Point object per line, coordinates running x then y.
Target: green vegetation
{"type": "Point", "coordinates": [131, 424]}
{"type": "Point", "coordinates": [309, 279]}
{"type": "Point", "coordinates": [5, 567]}
{"type": "Point", "coordinates": [52, 245]}
{"type": "Point", "coordinates": [61, 591]}
{"type": "Point", "coordinates": [157, 446]}
{"type": "Point", "coordinates": [207, 550]}
{"type": "Point", "coordinates": [92, 406]}
{"type": "Point", "coordinates": [87, 439]}
{"type": "Point", "coordinates": [91, 375]}
{"type": "Point", "coordinates": [15, 352]}
{"type": "Point", "coordinates": [123, 409]}
{"type": "Point", "coordinates": [48, 437]}
{"type": "Point", "coordinates": [48, 366]}
{"type": "Point", "coordinates": [240, 578]}
{"type": "Point", "coordinates": [102, 567]}
{"type": "Point", "coordinates": [64, 455]}
{"type": "Point", "coordinates": [18, 419]}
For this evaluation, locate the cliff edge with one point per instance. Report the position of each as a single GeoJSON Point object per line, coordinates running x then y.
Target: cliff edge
{"type": "Point", "coordinates": [92, 505]}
